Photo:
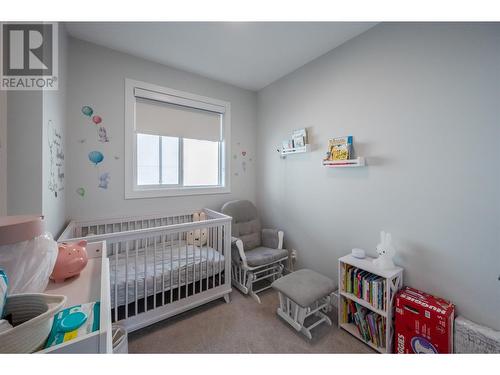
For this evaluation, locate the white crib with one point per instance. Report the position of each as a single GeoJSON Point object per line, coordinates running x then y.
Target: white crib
{"type": "Point", "coordinates": [155, 271]}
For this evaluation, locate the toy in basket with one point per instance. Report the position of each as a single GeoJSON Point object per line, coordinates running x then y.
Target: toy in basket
{"type": "Point", "coordinates": [30, 319]}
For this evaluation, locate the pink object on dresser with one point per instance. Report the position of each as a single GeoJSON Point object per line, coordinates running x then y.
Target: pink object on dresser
{"type": "Point", "coordinates": [71, 260]}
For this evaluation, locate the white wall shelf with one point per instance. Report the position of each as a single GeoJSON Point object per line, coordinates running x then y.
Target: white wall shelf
{"type": "Point", "coordinates": [393, 282]}
{"type": "Point", "coordinates": [295, 150]}
{"type": "Point", "coordinates": [358, 162]}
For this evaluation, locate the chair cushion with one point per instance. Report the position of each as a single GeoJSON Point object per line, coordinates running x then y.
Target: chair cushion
{"type": "Point", "coordinates": [245, 224]}
{"type": "Point", "coordinates": [264, 255]}
{"type": "Point", "coordinates": [304, 287]}
{"type": "Point", "coordinates": [240, 211]}
{"type": "Point", "coordinates": [249, 232]}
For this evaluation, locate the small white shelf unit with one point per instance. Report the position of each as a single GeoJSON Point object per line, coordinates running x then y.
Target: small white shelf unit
{"type": "Point", "coordinates": [349, 163]}
{"type": "Point", "coordinates": [393, 282]}
{"type": "Point", "coordinates": [295, 150]}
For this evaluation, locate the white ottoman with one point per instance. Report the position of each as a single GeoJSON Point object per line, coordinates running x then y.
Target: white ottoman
{"type": "Point", "coordinates": [304, 293]}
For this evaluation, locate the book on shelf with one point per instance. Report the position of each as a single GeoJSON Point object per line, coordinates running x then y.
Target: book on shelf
{"type": "Point", "coordinates": [365, 285]}
{"type": "Point", "coordinates": [340, 148]}
{"type": "Point", "coordinates": [299, 138]}
{"type": "Point", "coordinates": [287, 144]}
{"type": "Point", "coordinates": [370, 325]}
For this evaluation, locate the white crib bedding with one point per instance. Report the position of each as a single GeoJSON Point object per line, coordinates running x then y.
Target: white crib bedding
{"type": "Point", "coordinates": [173, 265]}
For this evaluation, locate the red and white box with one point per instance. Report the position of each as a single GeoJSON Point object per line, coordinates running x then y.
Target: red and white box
{"type": "Point", "coordinates": [423, 323]}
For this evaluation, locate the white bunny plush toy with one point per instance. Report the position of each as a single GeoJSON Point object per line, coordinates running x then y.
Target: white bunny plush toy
{"type": "Point", "coordinates": [198, 237]}
{"type": "Point", "coordinates": [386, 252]}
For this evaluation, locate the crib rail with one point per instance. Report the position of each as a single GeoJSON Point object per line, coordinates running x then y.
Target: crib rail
{"type": "Point", "coordinates": [161, 265]}
{"type": "Point", "coordinates": [151, 268]}
{"type": "Point", "coordinates": [94, 230]}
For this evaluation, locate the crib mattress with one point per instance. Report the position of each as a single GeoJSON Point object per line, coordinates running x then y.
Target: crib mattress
{"type": "Point", "coordinates": [175, 266]}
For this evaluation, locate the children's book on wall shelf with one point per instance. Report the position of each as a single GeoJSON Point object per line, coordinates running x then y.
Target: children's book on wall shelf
{"type": "Point", "coordinates": [366, 297]}
{"type": "Point", "coordinates": [340, 153]}
{"type": "Point", "coordinates": [296, 145]}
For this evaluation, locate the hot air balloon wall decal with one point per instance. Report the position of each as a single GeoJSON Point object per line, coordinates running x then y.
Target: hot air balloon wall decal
{"type": "Point", "coordinates": [96, 157]}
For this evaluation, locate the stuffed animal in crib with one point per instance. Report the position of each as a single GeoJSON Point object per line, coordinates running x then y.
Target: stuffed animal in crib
{"type": "Point", "coordinates": [198, 237]}
{"type": "Point", "coordinates": [386, 252]}
{"type": "Point", "coordinates": [71, 260]}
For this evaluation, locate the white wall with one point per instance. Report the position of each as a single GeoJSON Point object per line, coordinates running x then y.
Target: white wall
{"type": "Point", "coordinates": [54, 117]}
{"type": "Point", "coordinates": [24, 152]}
{"type": "Point", "coordinates": [28, 160]}
{"type": "Point", "coordinates": [3, 153]}
{"type": "Point", "coordinates": [96, 78]}
{"type": "Point", "coordinates": [422, 102]}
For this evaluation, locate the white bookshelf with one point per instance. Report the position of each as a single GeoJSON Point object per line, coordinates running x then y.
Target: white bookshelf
{"type": "Point", "coordinates": [393, 282]}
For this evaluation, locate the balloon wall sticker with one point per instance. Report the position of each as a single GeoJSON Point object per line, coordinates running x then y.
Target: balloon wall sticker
{"type": "Point", "coordinates": [96, 157]}
{"type": "Point", "coordinates": [81, 192]}
{"type": "Point", "coordinates": [87, 111]}
{"type": "Point", "coordinates": [102, 133]}
{"type": "Point", "coordinates": [97, 119]}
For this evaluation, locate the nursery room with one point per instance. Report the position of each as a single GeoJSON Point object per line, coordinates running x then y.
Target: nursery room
{"type": "Point", "coordinates": [249, 187]}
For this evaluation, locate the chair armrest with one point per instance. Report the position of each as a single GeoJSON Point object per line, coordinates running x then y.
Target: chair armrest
{"type": "Point", "coordinates": [238, 244]}
{"type": "Point", "coordinates": [272, 238]}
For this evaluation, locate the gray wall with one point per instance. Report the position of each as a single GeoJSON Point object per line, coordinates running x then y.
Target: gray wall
{"type": "Point", "coordinates": [96, 78]}
{"type": "Point", "coordinates": [422, 102]}
{"type": "Point", "coordinates": [24, 152]}
{"type": "Point", "coordinates": [54, 113]}
{"type": "Point", "coordinates": [28, 162]}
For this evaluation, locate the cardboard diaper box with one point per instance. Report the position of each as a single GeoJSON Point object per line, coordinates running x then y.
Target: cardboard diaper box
{"type": "Point", "coordinates": [423, 323]}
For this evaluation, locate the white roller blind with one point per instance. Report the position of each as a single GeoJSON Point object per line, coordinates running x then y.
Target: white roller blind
{"type": "Point", "coordinates": [173, 120]}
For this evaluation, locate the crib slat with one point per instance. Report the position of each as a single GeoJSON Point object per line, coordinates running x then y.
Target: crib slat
{"type": "Point", "coordinates": [171, 268]}
{"type": "Point", "coordinates": [136, 285]}
{"type": "Point", "coordinates": [163, 272]}
{"type": "Point", "coordinates": [220, 253]}
{"type": "Point", "coordinates": [126, 280]}
{"type": "Point", "coordinates": [146, 275]}
{"type": "Point", "coordinates": [113, 247]}
{"type": "Point", "coordinates": [154, 274]}
{"type": "Point", "coordinates": [179, 265]}
{"type": "Point", "coordinates": [214, 247]}
{"type": "Point", "coordinates": [207, 260]}
{"type": "Point", "coordinates": [186, 281]}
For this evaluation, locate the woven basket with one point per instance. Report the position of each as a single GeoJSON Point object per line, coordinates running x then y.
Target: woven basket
{"type": "Point", "coordinates": [32, 316]}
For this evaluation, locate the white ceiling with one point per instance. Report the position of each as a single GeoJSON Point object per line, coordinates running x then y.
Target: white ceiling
{"type": "Point", "coordinates": [250, 55]}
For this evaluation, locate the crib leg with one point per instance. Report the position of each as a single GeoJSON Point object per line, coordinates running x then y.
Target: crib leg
{"type": "Point", "coordinates": [227, 298]}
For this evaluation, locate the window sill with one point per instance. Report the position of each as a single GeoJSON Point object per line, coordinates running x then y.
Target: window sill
{"type": "Point", "coordinates": [174, 192]}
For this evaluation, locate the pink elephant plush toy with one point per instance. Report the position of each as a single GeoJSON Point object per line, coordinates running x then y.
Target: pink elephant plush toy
{"type": "Point", "coordinates": [71, 260]}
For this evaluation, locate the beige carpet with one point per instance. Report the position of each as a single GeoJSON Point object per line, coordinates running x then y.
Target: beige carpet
{"type": "Point", "coordinates": [243, 326]}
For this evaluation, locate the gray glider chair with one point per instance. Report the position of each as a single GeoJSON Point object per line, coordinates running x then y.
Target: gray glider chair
{"type": "Point", "coordinates": [257, 253]}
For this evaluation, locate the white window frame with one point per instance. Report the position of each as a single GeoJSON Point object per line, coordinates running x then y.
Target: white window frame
{"type": "Point", "coordinates": [132, 189]}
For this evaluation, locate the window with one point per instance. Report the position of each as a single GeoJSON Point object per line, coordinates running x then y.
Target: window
{"type": "Point", "coordinates": [176, 143]}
